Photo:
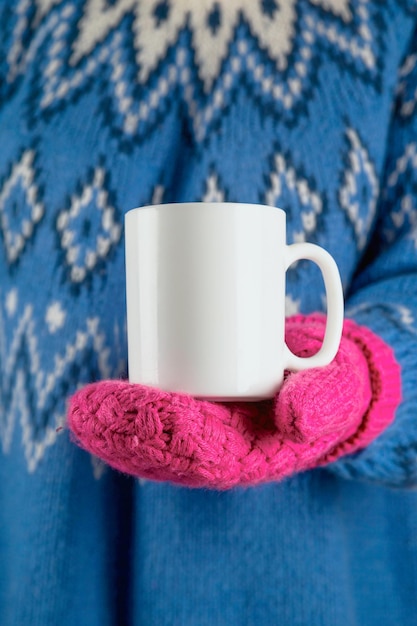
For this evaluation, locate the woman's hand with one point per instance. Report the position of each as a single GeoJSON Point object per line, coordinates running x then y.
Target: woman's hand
{"type": "Point", "coordinates": [319, 415]}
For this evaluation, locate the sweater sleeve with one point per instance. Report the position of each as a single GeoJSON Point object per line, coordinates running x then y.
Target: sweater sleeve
{"type": "Point", "coordinates": [384, 294]}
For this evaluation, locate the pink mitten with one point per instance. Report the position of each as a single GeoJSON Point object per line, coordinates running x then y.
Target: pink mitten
{"type": "Point", "coordinates": [318, 416]}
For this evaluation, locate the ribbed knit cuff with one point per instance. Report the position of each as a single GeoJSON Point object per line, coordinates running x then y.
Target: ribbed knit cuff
{"type": "Point", "coordinates": [385, 377]}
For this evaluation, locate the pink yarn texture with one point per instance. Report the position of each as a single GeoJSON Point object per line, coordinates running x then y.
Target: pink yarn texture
{"type": "Point", "coordinates": [318, 416]}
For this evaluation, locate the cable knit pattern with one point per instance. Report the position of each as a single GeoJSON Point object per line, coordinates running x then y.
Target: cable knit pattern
{"type": "Point", "coordinates": [174, 437]}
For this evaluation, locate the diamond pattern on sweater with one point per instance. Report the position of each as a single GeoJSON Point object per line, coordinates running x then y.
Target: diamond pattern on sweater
{"type": "Point", "coordinates": [293, 192]}
{"type": "Point", "coordinates": [20, 207]}
{"type": "Point", "coordinates": [402, 215]}
{"type": "Point", "coordinates": [406, 90]}
{"type": "Point", "coordinates": [359, 191]}
{"type": "Point", "coordinates": [88, 229]}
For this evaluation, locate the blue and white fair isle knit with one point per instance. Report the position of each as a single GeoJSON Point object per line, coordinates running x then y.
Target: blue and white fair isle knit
{"type": "Point", "coordinates": [105, 105]}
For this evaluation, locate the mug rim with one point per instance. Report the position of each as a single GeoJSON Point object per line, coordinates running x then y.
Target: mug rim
{"type": "Point", "coordinates": [165, 205]}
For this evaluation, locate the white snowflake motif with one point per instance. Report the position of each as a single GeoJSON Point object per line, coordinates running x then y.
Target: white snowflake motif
{"type": "Point", "coordinates": [55, 317]}
{"type": "Point", "coordinates": [157, 23]}
{"type": "Point", "coordinates": [173, 40]}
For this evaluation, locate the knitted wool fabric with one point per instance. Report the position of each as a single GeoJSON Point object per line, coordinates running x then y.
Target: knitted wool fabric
{"type": "Point", "coordinates": [105, 105]}
{"type": "Point", "coordinates": [154, 434]}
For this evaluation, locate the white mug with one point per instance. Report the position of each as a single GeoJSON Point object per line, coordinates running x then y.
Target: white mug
{"type": "Point", "coordinates": [205, 287]}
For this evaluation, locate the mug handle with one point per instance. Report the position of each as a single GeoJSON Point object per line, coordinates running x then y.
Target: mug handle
{"type": "Point", "coordinates": [335, 306]}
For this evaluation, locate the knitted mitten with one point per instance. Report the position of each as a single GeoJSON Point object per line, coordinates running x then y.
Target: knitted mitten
{"type": "Point", "coordinates": [319, 415]}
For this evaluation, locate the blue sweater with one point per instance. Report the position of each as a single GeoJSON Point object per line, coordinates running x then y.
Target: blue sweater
{"type": "Point", "coordinates": [309, 105]}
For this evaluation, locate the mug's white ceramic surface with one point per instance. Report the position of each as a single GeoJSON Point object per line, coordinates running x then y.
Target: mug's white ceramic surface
{"type": "Point", "coordinates": [206, 299]}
